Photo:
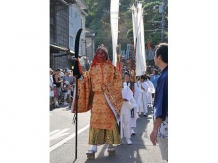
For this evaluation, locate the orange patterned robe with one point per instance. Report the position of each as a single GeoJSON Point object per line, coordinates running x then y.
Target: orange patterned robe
{"type": "Point", "coordinates": [104, 78]}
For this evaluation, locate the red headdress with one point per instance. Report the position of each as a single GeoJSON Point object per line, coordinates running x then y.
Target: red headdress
{"type": "Point", "coordinates": [95, 60]}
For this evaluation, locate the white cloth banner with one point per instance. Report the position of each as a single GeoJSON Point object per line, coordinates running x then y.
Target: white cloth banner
{"type": "Point", "coordinates": [114, 14]}
{"type": "Point", "coordinates": [134, 13]}
{"type": "Point", "coordinates": [140, 43]}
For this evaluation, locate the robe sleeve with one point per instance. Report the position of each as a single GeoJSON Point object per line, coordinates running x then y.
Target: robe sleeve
{"type": "Point", "coordinates": [84, 94]}
{"type": "Point", "coordinates": [144, 85]}
{"type": "Point", "coordinates": [136, 88]}
{"type": "Point", "coordinates": [127, 93]}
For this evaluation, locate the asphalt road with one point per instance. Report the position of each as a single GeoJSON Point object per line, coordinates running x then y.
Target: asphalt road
{"type": "Point", "coordinates": [62, 141]}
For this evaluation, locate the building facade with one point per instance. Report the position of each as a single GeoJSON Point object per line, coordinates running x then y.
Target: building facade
{"type": "Point", "coordinates": [77, 17]}
{"type": "Point", "coordinates": [66, 18]}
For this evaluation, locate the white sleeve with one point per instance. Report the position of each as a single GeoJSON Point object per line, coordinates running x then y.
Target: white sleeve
{"type": "Point", "coordinates": [151, 88]}
{"type": "Point", "coordinates": [145, 86]}
{"type": "Point", "coordinates": [151, 85]}
{"type": "Point", "coordinates": [127, 93]}
{"type": "Point", "coordinates": [136, 88]}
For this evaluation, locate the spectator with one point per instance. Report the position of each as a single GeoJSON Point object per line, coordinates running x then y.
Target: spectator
{"type": "Point", "coordinates": [154, 77]}
{"type": "Point", "coordinates": [57, 82]}
{"type": "Point", "coordinates": [51, 82]}
{"type": "Point", "coordinates": [67, 91]}
{"type": "Point", "coordinates": [55, 96]}
{"type": "Point", "coordinates": [69, 80]}
{"type": "Point", "coordinates": [51, 89]}
{"type": "Point", "coordinates": [160, 130]}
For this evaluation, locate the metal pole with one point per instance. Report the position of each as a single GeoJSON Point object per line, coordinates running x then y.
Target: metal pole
{"type": "Point", "coordinates": [77, 74]}
{"type": "Point", "coordinates": [163, 21]}
{"type": "Point", "coordinates": [86, 57]}
{"type": "Point", "coordinates": [86, 60]}
{"type": "Point", "coordinates": [76, 117]}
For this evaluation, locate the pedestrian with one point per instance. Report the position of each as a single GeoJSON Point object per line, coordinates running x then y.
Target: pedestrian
{"type": "Point", "coordinates": [57, 82]}
{"type": "Point", "coordinates": [154, 77]}
{"type": "Point", "coordinates": [65, 91]}
{"type": "Point", "coordinates": [160, 130]}
{"type": "Point", "coordinates": [51, 89]}
{"type": "Point", "coordinates": [67, 77]}
{"type": "Point", "coordinates": [55, 96]}
{"type": "Point", "coordinates": [105, 83]}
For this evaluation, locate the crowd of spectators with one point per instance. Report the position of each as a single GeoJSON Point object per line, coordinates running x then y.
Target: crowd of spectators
{"type": "Point", "coordinates": [62, 84]}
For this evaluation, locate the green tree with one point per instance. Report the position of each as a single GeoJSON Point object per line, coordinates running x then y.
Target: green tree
{"type": "Point", "coordinates": [99, 21]}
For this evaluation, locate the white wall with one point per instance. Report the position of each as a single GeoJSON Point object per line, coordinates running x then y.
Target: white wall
{"type": "Point", "coordinates": [76, 21]}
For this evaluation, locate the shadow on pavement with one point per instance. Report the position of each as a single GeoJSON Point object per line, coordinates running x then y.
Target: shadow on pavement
{"type": "Point", "coordinates": [141, 149]}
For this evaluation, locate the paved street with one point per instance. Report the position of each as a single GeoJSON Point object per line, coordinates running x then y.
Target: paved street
{"type": "Point", "coordinates": [62, 141]}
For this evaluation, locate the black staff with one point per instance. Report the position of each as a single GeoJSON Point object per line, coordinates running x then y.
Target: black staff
{"type": "Point", "coordinates": [77, 73]}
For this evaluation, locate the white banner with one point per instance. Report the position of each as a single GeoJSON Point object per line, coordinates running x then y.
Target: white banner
{"type": "Point", "coordinates": [140, 43]}
{"type": "Point", "coordinates": [114, 14]}
{"type": "Point", "coordinates": [134, 24]}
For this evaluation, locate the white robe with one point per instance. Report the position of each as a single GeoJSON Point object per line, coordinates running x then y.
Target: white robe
{"type": "Point", "coordinates": [136, 108]}
{"type": "Point", "coordinates": [125, 115]}
{"type": "Point", "coordinates": [138, 96]}
{"type": "Point", "coordinates": [144, 108]}
{"type": "Point", "coordinates": [141, 98]}
{"type": "Point", "coordinates": [151, 90]}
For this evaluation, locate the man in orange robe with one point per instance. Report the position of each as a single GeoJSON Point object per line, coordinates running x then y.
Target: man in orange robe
{"type": "Point", "coordinates": [102, 94]}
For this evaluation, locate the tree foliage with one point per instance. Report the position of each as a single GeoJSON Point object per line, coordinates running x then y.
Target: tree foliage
{"type": "Point", "coordinates": [99, 21]}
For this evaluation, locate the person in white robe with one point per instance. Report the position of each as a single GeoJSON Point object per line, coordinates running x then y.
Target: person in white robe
{"type": "Point", "coordinates": [125, 113]}
{"type": "Point", "coordinates": [134, 111]}
{"type": "Point", "coordinates": [134, 115]}
{"type": "Point", "coordinates": [142, 101]}
{"type": "Point", "coordinates": [151, 90]}
{"type": "Point", "coordinates": [138, 95]}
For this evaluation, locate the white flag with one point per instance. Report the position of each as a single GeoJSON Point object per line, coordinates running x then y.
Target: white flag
{"type": "Point", "coordinates": [140, 43]}
{"type": "Point", "coordinates": [114, 14]}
